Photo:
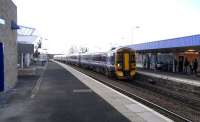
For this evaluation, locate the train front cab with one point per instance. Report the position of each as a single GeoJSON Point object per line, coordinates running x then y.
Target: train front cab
{"type": "Point", "coordinates": [125, 66]}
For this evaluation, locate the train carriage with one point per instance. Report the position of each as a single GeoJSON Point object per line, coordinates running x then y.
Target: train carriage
{"type": "Point", "coordinates": [119, 62]}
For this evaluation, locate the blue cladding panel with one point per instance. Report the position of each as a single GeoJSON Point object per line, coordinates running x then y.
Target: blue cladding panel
{"type": "Point", "coordinates": [1, 68]}
{"type": "Point", "coordinates": [169, 43]}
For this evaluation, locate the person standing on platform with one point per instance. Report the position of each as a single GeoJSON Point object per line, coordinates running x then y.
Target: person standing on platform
{"type": "Point", "coordinates": [186, 64]}
{"type": "Point", "coordinates": [195, 66]}
{"type": "Point", "coordinates": [191, 68]}
{"type": "Point", "coordinates": [180, 65]}
{"type": "Point", "coordinates": [175, 65]}
{"type": "Point", "coordinates": [145, 64]}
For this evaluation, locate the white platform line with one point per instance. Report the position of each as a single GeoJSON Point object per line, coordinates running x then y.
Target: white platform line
{"type": "Point", "coordinates": [38, 84]}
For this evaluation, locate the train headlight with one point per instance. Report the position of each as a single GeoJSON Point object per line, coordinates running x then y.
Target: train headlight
{"type": "Point", "coordinates": [119, 66]}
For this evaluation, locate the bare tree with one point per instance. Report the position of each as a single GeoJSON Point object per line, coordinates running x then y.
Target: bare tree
{"type": "Point", "coordinates": [83, 49]}
{"type": "Point", "coordinates": [73, 49]}
{"type": "Point", "coordinates": [80, 49]}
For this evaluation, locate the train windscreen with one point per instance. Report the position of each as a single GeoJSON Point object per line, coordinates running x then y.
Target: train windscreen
{"type": "Point", "coordinates": [119, 60]}
{"type": "Point", "coordinates": [132, 57]}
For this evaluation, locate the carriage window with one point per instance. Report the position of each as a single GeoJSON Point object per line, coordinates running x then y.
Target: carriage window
{"type": "Point", "coordinates": [103, 58]}
{"type": "Point", "coordinates": [112, 59]}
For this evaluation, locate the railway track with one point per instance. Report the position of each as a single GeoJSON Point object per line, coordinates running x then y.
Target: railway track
{"type": "Point", "coordinates": [156, 107]}
{"type": "Point", "coordinates": [134, 91]}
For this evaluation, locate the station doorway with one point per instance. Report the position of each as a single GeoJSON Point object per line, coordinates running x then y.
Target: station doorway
{"type": "Point", "coordinates": [190, 57]}
{"type": "Point", "coordinates": [1, 68]}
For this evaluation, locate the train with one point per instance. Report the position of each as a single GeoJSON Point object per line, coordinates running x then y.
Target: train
{"type": "Point", "coordinates": [118, 62]}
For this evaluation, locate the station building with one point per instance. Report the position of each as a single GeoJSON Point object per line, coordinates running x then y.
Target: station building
{"type": "Point", "coordinates": [27, 41]}
{"type": "Point", "coordinates": [8, 48]}
{"type": "Point", "coordinates": [170, 54]}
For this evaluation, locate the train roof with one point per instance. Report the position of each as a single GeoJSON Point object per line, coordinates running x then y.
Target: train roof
{"type": "Point", "coordinates": [122, 48]}
{"type": "Point", "coordinates": [100, 53]}
{"type": "Point", "coordinates": [94, 53]}
{"type": "Point", "coordinates": [60, 55]}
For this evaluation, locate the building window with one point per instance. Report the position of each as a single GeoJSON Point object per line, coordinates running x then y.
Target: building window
{"type": "Point", "coordinates": [2, 21]}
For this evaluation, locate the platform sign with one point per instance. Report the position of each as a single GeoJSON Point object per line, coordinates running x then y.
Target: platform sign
{"type": "Point", "coordinates": [2, 21]}
{"type": "Point", "coordinates": [1, 68]}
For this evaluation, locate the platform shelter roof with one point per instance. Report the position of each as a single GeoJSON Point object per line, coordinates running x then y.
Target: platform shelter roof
{"type": "Point", "coordinates": [174, 44]}
{"type": "Point", "coordinates": [27, 35]}
{"type": "Point", "coordinates": [26, 31]}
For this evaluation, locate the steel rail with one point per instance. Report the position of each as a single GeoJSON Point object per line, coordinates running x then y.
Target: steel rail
{"type": "Point", "coordinates": [156, 107]}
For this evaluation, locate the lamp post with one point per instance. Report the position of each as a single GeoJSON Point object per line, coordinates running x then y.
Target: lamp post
{"type": "Point", "coordinates": [132, 32]}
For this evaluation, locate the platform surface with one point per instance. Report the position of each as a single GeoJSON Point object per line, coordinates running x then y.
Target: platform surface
{"type": "Point", "coordinates": [128, 107]}
{"type": "Point", "coordinates": [66, 95]}
{"type": "Point", "coordinates": [177, 77]}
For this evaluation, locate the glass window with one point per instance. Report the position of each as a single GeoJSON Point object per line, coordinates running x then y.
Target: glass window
{"type": "Point", "coordinates": [119, 57]}
{"type": "Point", "coordinates": [112, 59]}
{"type": "Point", "coordinates": [2, 21]}
{"type": "Point", "coordinates": [132, 57]}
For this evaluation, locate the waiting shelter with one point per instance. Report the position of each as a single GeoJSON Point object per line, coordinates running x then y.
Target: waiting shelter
{"type": "Point", "coordinates": [26, 42]}
{"type": "Point", "coordinates": [177, 54]}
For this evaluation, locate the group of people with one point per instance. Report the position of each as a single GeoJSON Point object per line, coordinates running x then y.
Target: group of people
{"type": "Point", "coordinates": [186, 66]}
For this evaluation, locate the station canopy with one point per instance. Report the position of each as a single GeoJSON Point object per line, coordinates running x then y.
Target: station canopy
{"type": "Point", "coordinates": [191, 43]}
{"type": "Point", "coordinates": [27, 35]}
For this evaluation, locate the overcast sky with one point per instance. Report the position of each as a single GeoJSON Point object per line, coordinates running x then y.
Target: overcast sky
{"type": "Point", "coordinates": [99, 24]}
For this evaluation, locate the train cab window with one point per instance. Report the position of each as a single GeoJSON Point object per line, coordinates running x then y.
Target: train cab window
{"type": "Point", "coordinates": [132, 57]}
{"type": "Point", "coordinates": [119, 57]}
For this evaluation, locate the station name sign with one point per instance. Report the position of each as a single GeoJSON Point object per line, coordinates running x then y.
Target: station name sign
{"type": "Point", "coordinates": [2, 21]}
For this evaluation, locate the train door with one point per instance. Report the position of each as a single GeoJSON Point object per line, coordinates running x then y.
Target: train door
{"type": "Point", "coordinates": [126, 62]}
{"type": "Point", "coordinates": [1, 68]}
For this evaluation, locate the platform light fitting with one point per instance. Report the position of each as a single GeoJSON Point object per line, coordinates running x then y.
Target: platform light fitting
{"type": "Point", "coordinates": [191, 50]}
{"type": "Point", "coordinates": [191, 53]}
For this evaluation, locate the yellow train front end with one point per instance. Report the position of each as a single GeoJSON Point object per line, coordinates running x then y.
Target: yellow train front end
{"type": "Point", "coordinates": [125, 65]}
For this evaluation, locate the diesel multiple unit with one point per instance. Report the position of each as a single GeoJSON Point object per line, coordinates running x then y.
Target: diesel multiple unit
{"type": "Point", "coordinates": [119, 62]}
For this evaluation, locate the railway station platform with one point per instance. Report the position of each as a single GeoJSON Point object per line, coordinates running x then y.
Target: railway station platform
{"type": "Point", "coordinates": [127, 107]}
{"type": "Point", "coordinates": [176, 55]}
{"type": "Point", "coordinates": [187, 79]}
{"type": "Point", "coordinates": [63, 94]}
